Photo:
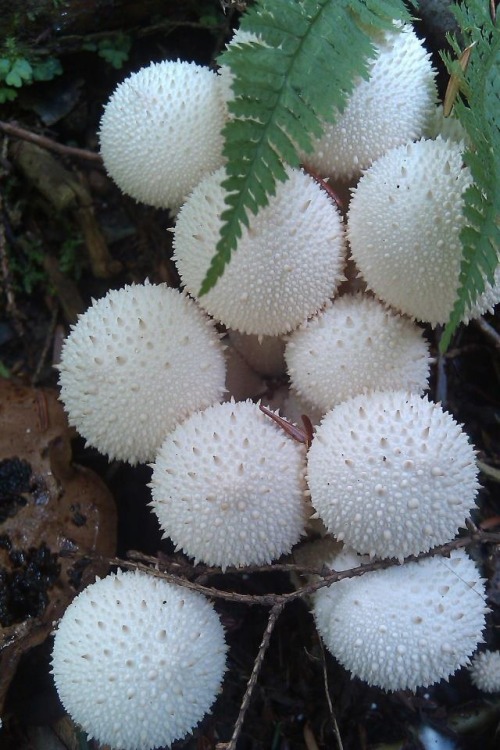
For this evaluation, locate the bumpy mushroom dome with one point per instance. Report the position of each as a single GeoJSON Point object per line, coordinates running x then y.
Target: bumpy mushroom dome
{"type": "Point", "coordinates": [138, 361]}
{"type": "Point", "coordinates": [228, 486]}
{"type": "Point", "coordinates": [404, 223]}
{"type": "Point", "coordinates": [288, 263]}
{"type": "Point", "coordinates": [137, 661]}
{"type": "Point", "coordinates": [485, 671]}
{"type": "Point", "coordinates": [161, 131]}
{"type": "Point", "coordinates": [354, 346]}
{"type": "Point", "coordinates": [407, 626]}
{"type": "Point", "coordinates": [392, 107]}
{"type": "Point", "coordinates": [392, 474]}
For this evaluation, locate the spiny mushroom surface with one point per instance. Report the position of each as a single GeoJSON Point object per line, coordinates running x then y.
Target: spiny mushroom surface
{"type": "Point", "coordinates": [138, 361]}
{"type": "Point", "coordinates": [407, 626]}
{"type": "Point", "coordinates": [392, 474]}
{"type": "Point", "coordinates": [287, 264]}
{"type": "Point", "coordinates": [228, 487]}
{"type": "Point", "coordinates": [354, 346]}
{"type": "Point", "coordinates": [404, 222]}
{"type": "Point", "coordinates": [138, 661]}
{"type": "Point", "coordinates": [485, 671]}
{"type": "Point", "coordinates": [391, 107]}
{"type": "Point", "coordinates": [161, 131]}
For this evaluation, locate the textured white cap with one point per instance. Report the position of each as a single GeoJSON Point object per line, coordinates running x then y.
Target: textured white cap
{"type": "Point", "coordinates": [138, 361]}
{"type": "Point", "coordinates": [161, 131]}
{"type": "Point", "coordinates": [407, 626]}
{"type": "Point", "coordinates": [391, 474]}
{"type": "Point", "coordinates": [287, 264]}
{"type": "Point", "coordinates": [137, 661]}
{"type": "Point", "coordinates": [228, 486]}
{"type": "Point", "coordinates": [485, 671]}
{"type": "Point", "coordinates": [404, 222]}
{"type": "Point", "coordinates": [354, 346]}
{"type": "Point", "coordinates": [392, 107]}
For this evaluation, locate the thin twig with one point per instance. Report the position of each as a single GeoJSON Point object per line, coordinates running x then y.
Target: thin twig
{"type": "Point", "coordinates": [333, 718]}
{"type": "Point", "coordinates": [275, 612]}
{"type": "Point", "coordinates": [323, 578]}
{"type": "Point", "coordinates": [43, 141]}
{"type": "Point", "coordinates": [47, 345]}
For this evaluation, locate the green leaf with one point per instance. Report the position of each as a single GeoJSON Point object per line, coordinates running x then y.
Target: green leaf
{"type": "Point", "coordinates": [46, 70]}
{"type": "Point", "coordinates": [7, 95]}
{"type": "Point", "coordinates": [20, 72]}
{"type": "Point", "coordinates": [281, 99]}
{"type": "Point", "coordinates": [115, 50]}
{"type": "Point", "coordinates": [4, 67]}
{"type": "Point", "coordinates": [480, 116]}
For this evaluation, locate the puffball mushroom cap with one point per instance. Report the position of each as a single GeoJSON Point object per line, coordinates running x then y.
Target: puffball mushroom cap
{"type": "Point", "coordinates": [353, 346]}
{"type": "Point", "coordinates": [404, 222]}
{"type": "Point", "coordinates": [161, 131]}
{"type": "Point", "coordinates": [485, 671]}
{"type": "Point", "coordinates": [138, 661]}
{"type": "Point", "coordinates": [287, 264]}
{"type": "Point", "coordinates": [393, 106]}
{"type": "Point", "coordinates": [391, 474]}
{"type": "Point", "coordinates": [406, 626]}
{"type": "Point", "coordinates": [137, 361]}
{"type": "Point", "coordinates": [228, 486]}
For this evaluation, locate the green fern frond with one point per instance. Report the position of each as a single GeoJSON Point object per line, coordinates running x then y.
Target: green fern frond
{"type": "Point", "coordinates": [302, 70]}
{"type": "Point", "coordinates": [478, 109]}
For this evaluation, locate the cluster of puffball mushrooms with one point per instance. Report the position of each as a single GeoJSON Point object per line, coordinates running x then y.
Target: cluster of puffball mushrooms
{"type": "Point", "coordinates": [146, 376]}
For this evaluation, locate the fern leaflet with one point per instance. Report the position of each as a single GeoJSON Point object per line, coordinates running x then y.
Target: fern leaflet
{"type": "Point", "coordinates": [301, 71]}
{"type": "Point", "coordinates": [478, 109]}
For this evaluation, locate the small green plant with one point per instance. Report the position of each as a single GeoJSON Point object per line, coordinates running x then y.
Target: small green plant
{"type": "Point", "coordinates": [20, 67]}
{"type": "Point", "coordinates": [114, 49]}
{"type": "Point", "coordinates": [71, 257]}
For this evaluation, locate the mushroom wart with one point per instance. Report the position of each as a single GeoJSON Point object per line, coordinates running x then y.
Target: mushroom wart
{"type": "Point", "coordinates": [407, 626]}
{"type": "Point", "coordinates": [137, 661]}
{"type": "Point", "coordinates": [228, 487]}
{"type": "Point", "coordinates": [139, 360]}
{"type": "Point", "coordinates": [392, 474]}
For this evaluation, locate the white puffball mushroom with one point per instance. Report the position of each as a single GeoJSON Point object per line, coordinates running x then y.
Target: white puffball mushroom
{"type": "Point", "coordinates": [228, 487]}
{"type": "Point", "coordinates": [406, 626]}
{"type": "Point", "coordinates": [161, 131]}
{"type": "Point", "coordinates": [287, 264]}
{"type": "Point", "coordinates": [392, 107]}
{"type": "Point", "coordinates": [391, 474]}
{"type": "Point", "coordinates": [138, 361]}
{"type": "Point", "coordinates": [137, 661]}
{"type": "Point", "coordinates": [353, 346]}
{"type": "Point", "coordinates": [485, 671]}
{"type": "Point", "coordinates": [404, 222]}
